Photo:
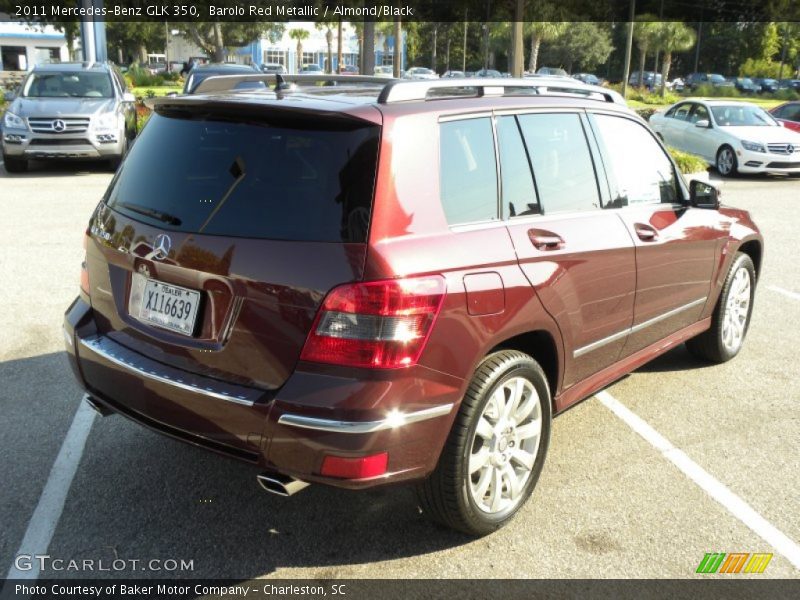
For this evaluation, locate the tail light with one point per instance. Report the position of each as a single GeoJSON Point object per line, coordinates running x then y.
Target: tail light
{"type": "Point", "coordinates": [84, 269]}
{"type": "Point", "coordinates": [377, 324]}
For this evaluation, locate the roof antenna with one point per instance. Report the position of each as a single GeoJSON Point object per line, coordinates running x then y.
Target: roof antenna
{"type": "Point", "coordinates": [280, 84]}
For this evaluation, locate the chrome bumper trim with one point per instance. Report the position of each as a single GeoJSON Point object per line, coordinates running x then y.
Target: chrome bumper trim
{"type": "Point", "coordinates": [392, 421]}
{"type": "Point", "coordinates": [636, 328]}
{"type": "Point", "coordinates": [147, 368]}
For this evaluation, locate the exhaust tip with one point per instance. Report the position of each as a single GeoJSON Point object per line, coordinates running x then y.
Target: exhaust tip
{"type": "Point", "coordinates": [100, 409]}
{"type": "Point", "coordinates": [280, 485]}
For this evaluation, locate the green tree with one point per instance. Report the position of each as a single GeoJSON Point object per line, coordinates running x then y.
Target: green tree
{"type": "Point", "coordinates": [299, 35]}
{"type": "Point", "coordinates": [672, 36]}
{"type": "Point", "coordinates": [542, 31]}
{"type": "Point", "coordinates": [214, 37]}
{"type": "Point", "coordinates": [583, 45]}
{"type": "Point", "coordinates": [132, 39]}
{"type": "Point", "coordinates": [326, 25]}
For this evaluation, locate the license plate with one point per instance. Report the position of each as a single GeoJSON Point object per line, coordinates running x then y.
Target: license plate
{"type": "Point", "coordinates": [164, 305]}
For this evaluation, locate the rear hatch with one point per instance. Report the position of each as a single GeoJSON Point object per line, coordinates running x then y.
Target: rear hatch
{"type": "Point", "coordinates": [224, 229]}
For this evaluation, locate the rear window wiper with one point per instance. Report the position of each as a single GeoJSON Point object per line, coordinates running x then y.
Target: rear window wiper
{"type": "Point", "coordinates": [152, 212]}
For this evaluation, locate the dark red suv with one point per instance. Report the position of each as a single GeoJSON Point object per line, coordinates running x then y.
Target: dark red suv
{"type": "Point", "coordinates": [370, 283]}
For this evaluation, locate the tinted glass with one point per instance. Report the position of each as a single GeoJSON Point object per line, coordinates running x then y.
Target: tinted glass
{"type": "Point", "coordinates": [468, 171]}
{"type": "Point", "coordinates": [70, 84]}
{"type": "Point", "coordinates": [682, 112]}
{"type": "Point", "coordinates": [699, 112]}
{"type": "Point", "coordinates": [639, 170]}
{"type": "Point", "coordinates": [250, 179]}
{"type": "Point", "coordinates": [562, 164]}
{"type": "Point", "coordinates": [519, 195]}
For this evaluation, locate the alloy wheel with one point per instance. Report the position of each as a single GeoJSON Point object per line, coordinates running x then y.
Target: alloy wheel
{"type": "Point", "coordinates": [737, 310]}
{"type": "Point", "coordinates": [725, 161]}
{"type": "Point", "coordinates": [504, 446]}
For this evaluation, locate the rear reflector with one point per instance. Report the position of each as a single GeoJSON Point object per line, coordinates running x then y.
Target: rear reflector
{"type": "Point", "coordinates": [84, 269]}
{"type": "Point", "coordinates": [377, 324]}
{"type": "Point", "coordinates": [355, 468]}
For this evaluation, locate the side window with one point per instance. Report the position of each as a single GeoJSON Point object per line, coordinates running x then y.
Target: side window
{"type": "Point", "coordinates": [468, 171]}
{"type": "Point", "coordinates": [519, 193]}
{"type": "Point", "coordinates": [682, 112]}
{"type": "Point", "coordinates": [640, 172]}
{"type": "Point", "coordinates": [562, 164]}
{"type": "Point", "coordinates": [699, 113]}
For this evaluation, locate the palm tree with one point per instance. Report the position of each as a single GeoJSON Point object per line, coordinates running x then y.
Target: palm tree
{"type": "Point", "coordinates": [326, 25]}
{"type": "Point", "coordinates": [644, 32]}
{"type": "Point", "coordinates": [299, 35]}
{"type": "Point", "coordinates": [542, 31]}
{"type": "Point", "coordinates": [672, 36]}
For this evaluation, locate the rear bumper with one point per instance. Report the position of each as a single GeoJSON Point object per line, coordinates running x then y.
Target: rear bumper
{"type": "Point", "coordinates": [290, 430]}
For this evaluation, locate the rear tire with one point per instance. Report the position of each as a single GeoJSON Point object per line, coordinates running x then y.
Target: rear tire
{"type": "Point", "coordinates": [496, 448]}
{"type": "Point", "coordinates": [731, 317]}
{"type": "Point", "coordinates": [15, 165]}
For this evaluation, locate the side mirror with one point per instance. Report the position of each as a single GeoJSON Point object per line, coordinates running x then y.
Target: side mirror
{"type": "Point", "coordinates": [128, 97]}
{"type": "Point", "coordinates": [9, 96]}
{"type": "Point", "coordinates": [703, 124]}
{"type": "Point", "coordinates": [703, 195]}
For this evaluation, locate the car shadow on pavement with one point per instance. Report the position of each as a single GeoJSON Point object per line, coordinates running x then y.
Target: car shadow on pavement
{"type": "Point", "coordinates": [677, 359]}
{"type": "Point", "coordinates": [140, 495]}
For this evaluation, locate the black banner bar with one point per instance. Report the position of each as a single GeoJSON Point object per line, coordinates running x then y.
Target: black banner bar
{"type": "Point", "coordinates": [441, 11]}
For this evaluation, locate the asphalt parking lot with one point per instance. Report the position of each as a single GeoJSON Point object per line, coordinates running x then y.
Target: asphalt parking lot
{"type": "Point", "coordinates": [612, 501]}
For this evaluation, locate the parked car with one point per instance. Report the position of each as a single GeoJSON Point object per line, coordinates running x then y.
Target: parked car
{"type": "Point", "coordinates": [552, 71]}
{"type": "Point", "coordinates": [420, 73]}
{"type": "Point", "coordinates": [745, 85]}
{"type": "Point", "coordinates": [352, 337]}
{"type": "Point", "coordinates": [69, 111]}
{"type": "Point", "coordinates": [273, 68]}
{"type": "Point", "coordinates": [587, 78]}
{"type": "Point", "coordinates": [649, 80]}
{"type": "Point", "coordinates": [677, 84]}
{"type": "Point", "coordinates": [156, 68]}
{"type": "Point", "coordinates": [384, 71]}
{"type": "Point", "coordinates": [349, 70]}
{"type": "Point", "coordinates": [312, 68]}
{"type": "Point", "coordinates": [766, 85]}
{"type": "Point", "coordinates": [491, 73]}
{"type": "Point", "coordinates": [789, 84]}
{"type": "Point", "coordinates": [199, 73]}
{"type": "Point", "coordinates": [788, 113]}
{"type": "Point", "coordinates": [736, 137]}
{"type": "Point", "coordinates": [453, 75]}
{"type": "Point", "coordinates": [713, 79]}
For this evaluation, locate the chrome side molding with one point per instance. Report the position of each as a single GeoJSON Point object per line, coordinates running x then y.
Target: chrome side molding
{"type": "Point", "coordinates": [636, 328]}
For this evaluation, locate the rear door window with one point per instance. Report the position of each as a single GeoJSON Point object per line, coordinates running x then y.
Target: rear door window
{"type": "Point", "coordinates": [306, 180]}
{"type": "Point", "coordinates": [519, 192]}
{"type": "Point", "coordinates": [468, 171]}
{"type": "Point", "coordinates": [562, 163]}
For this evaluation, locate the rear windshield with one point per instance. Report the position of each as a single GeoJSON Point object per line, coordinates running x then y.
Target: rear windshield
{"type": "Point", "coordinates": [310, 181]}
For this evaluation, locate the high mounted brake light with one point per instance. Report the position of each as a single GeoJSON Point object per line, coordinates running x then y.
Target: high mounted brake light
{"type": "Point", "coordinates": [376, 324]}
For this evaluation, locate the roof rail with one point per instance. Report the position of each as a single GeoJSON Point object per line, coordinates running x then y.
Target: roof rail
{"type": "Point", "coordinates": [226, 83]}
{"type": "Point", "coordinates": [403, 91]}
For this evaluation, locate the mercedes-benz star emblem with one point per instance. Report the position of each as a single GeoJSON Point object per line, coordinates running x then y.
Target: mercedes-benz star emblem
{"type": "Point", "coordinates": [789, 149]}
{"type": "Point", "coordinates": [161, 246]}
{"type": "Point", "coordinates": [59, 125]}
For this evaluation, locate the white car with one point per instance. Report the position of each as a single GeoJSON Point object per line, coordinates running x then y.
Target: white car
{"type": "Point", "coordinates": [735, 137]}
{"type": "Point", "coordinates": [420, 73]}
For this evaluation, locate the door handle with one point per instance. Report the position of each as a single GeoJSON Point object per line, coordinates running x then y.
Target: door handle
{"type": "Point", "coordinates": [545, 240]}
{"type": "Point", "coordinates": [646, 233]}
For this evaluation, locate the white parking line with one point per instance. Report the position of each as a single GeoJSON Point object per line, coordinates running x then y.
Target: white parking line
{"type": "Point", "coordinates": [787, 293]}
{"type": "Point", "coordinates": [712, 486]}
{"type": "Point", "coordinates": [51, 503]}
